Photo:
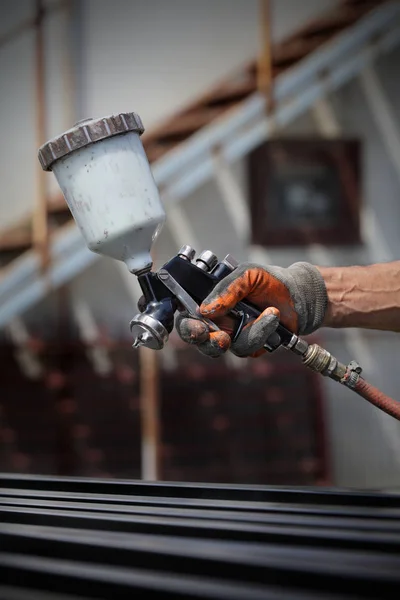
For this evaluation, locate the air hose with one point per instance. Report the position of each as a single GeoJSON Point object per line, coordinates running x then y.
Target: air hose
{"type": "Point", "coordinates": [321, 361]}
{"type": "Point", "coordinates": [377, 398]}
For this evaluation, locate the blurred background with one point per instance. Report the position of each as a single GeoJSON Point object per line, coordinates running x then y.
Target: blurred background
{"type": "Point", "coordinates": [273, 133]}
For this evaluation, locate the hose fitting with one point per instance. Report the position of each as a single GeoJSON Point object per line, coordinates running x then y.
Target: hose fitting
{"type": "Point", "coordinates": [352, 375]}
{"type": "Point", "coordinates": [321, 361]}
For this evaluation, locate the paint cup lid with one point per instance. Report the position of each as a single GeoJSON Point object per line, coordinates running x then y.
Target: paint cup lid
{"type": "Point", "coordinates": [86, 132]}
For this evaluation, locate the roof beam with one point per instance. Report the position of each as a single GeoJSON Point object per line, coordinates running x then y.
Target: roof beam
{"type": "Point", "coordinates": [27, 359]}
{"type": "Point", "coordinates": [90, 335]}
{"type": "Point", "coordinates": [232, 196]}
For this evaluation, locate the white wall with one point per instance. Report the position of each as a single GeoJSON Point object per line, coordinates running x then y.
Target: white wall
{"type": "Point", "coordinates": [17, 99]}
{"type": "Point", "coordinates": [18, 158]}
{"type": "Point", "coordinates": [151, 56]}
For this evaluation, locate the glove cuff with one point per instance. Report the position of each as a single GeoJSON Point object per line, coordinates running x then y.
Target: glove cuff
{"type": "Point", "coordinates": [311, 297]}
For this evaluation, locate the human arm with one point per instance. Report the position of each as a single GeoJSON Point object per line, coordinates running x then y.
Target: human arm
{"type": "Point", "coordinates": [363, 296]}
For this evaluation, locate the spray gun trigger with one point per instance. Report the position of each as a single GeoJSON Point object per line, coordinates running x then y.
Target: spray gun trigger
{"type": "Point", "coordinates": [185, 299]}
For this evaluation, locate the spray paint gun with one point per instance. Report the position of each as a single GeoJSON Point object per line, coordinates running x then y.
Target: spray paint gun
{"type": "Point", "coordinates": [103, 172]}
{"type": "Point", "coordinates": [184, 282]}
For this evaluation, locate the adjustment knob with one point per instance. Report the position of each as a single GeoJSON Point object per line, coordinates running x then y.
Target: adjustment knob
{"type": "Point", "coordinates": [187, 252]}
{"type": "Point", "coordinates": [231, 262]}
{"type": "Point", "coordinates": [207, 260]}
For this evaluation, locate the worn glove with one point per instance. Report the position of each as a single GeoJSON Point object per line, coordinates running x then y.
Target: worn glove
{"type": "Point", "coordinates": [295, 296]}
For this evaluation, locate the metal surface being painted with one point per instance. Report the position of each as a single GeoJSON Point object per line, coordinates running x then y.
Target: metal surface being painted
{"type": "Point", "coordinates": [67, 538]}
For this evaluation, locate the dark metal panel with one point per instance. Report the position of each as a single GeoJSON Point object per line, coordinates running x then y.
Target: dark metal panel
{"type": "Point", "coordinates": [182, 512]}
{"type": "Point", "coordinates": [141, 501]}
{"type": "Point", "coordinates": [68, 537]}
{"type": "Point", "coordinates": [109, 583]}
{"type": "Point", "coordinates": [238, 493]}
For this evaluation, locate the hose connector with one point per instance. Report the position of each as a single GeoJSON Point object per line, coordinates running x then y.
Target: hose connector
{"type": "Point", "coordinates": [352, 375]}
{"type": "Point", "coordinates": [321, 361]}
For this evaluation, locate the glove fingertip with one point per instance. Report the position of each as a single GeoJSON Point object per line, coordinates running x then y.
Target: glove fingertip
{"type": "Point", "coordinates": [192, 331]}
{"type": "Point", "coordinates": [213, 308]}
{"type": "Point", "coordinates": [217, 344]}
{"type": "Point", "coordinates": [221, 339]}
{"type": "Point", "coordinates": [254, 335]}
{"type": "Point", "coordinates": [272, 310]}
{"type": "Point", "coordinates": [266, 321]}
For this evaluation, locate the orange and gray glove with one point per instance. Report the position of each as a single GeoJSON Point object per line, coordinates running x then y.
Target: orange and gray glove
{"type": "Point", "coordinates": [296, 296]}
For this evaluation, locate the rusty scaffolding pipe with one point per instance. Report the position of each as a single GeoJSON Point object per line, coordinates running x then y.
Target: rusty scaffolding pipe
{"type": "Point", "coordinates": [40, 231]}
{"type": "Point", "coordinates": [264, 66]}
{"type": "Point", "coordinates": [29, 23]}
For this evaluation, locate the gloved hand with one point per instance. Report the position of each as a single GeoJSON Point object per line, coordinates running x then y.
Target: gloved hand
{"type": "Point", "coordinates": [296, 296]}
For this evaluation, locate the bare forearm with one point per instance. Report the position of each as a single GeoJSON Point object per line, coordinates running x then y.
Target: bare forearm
{"type": "Point", "coordinates": [367, 297]}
